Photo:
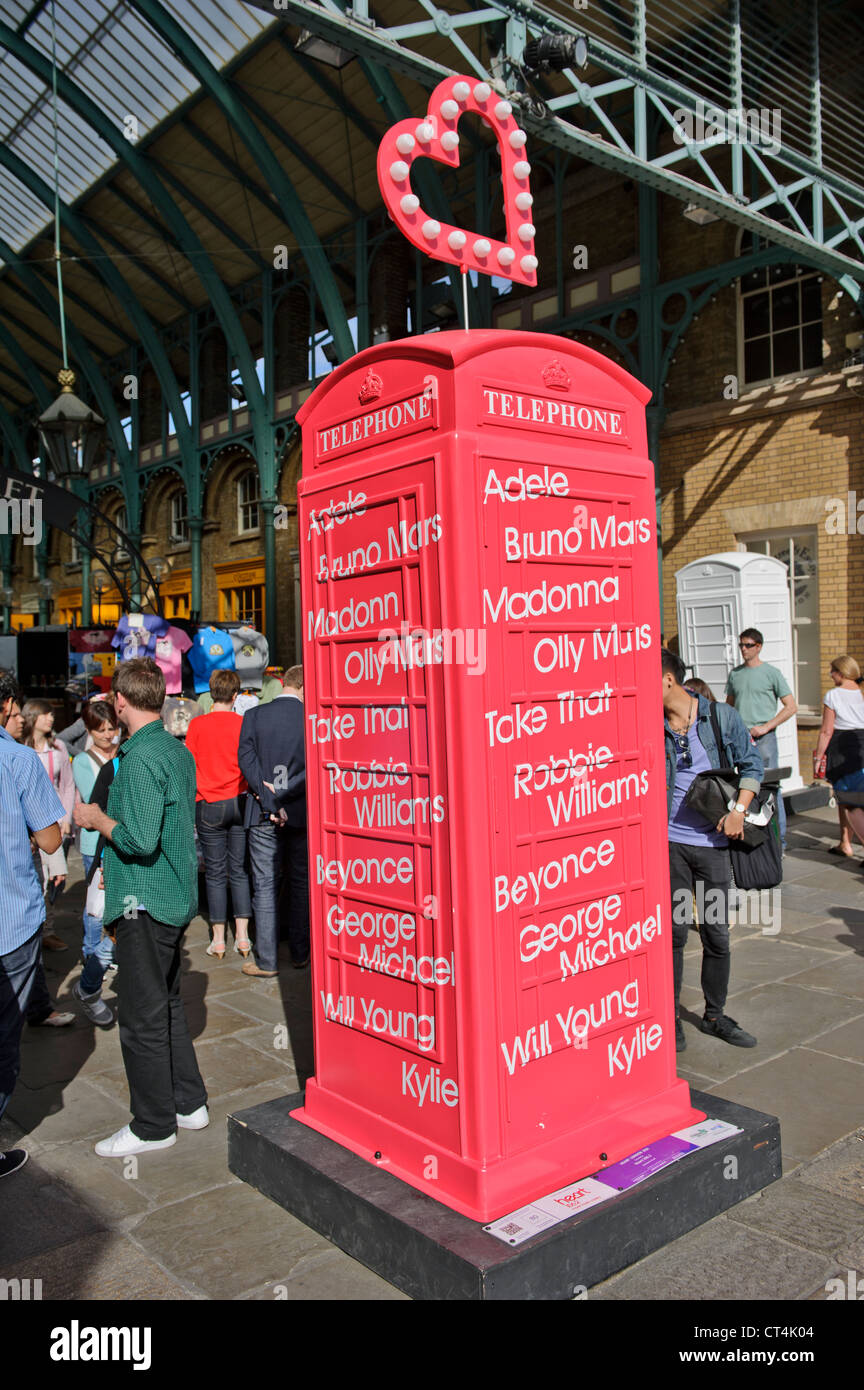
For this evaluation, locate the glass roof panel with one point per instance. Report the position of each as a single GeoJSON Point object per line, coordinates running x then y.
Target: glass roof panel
{"type": "Point", "coordinates": [122, 64]}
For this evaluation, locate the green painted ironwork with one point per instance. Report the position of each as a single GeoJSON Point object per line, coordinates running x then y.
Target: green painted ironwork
{"type": "Point", "coordinates": [36, 376]}
{"type": "Point", "coordinates": [168, 176]}
{"type": "Point", "coordinates": [620, 151]}
{"type": "Point", "coordinates": [15, 440]}
{"type": "Point", "coordinates": [190, 245]}
{"type": "Point", "coordinates": [81, 354]}
{"type": "Point", "coordinates": [115, 282]}
{"type": "Point", "coordinates": [289, 204]}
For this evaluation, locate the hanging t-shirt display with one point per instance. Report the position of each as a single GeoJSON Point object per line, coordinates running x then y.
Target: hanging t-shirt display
{"type": "Point", "coordinates": [251, 654]}
{"type": "Point", "coordinates": [211, 651]}
{"type": "Point", "coordinates": [168, 656]}
{"type": "Point", "coordinates": [136, 635]}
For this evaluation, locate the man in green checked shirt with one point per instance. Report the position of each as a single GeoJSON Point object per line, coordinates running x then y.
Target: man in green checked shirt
{"type": "Point", "coordinates": [151, 895]}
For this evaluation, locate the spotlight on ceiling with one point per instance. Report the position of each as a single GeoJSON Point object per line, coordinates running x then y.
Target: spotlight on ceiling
{"type": "Point", "coordinates": [555, 52]}
{"type": "Point", "coordinates": [703, 217]}
{"type": "Point", "coordinates": [322, 50]}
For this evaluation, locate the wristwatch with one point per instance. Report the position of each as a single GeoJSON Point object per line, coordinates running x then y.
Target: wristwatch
{"type": "Point", "coordinates": [736, 806]}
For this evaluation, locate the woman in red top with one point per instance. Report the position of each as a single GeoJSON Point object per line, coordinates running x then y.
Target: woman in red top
{"type": "Point", "coordinates": [220, 802]}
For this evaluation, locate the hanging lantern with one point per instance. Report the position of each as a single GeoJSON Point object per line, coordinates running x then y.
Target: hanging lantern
{"type": "Point", "coordinates": [70, 432]}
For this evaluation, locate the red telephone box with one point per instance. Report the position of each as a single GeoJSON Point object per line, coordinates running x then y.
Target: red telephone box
{"type": "Point", "coordinates": [489, 888]}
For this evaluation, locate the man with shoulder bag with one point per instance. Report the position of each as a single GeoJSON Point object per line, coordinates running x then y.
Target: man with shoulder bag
{"type": "Point", "coordinates": [699, 857]}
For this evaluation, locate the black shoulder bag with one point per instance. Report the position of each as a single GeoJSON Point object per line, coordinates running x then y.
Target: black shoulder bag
{"type": "Point", "coordinates": [757, 860]}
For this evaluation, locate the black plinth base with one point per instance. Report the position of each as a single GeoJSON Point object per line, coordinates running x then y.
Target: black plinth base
{"type": "Point", "coordinates": [431, 1252]}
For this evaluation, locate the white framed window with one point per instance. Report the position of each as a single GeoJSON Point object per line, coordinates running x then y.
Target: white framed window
{"type": "Point", "coordinates": [179, 517]}
{"type": "Point", "coordinates": [779, 322]}
{"type": "Point", "coordinates": [248, 495]}
{"type": "Point", "coordinates": [798, 550]}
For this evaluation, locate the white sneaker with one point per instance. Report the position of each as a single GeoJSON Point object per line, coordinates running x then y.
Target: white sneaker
{"type": "Point", "coordinates": [125, 1142]}
{"type": "Point", "coordinates": [199, 1119]}
{"type": "Point", "coordinates": [94, 1006]}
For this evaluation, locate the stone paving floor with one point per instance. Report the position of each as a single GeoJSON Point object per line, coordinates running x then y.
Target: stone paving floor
{"type": "Point", "coordinates": [178, 1225]}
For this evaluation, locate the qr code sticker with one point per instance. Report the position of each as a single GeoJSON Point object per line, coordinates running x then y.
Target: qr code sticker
{"type": "Point", "coordinates": [511, 1229]}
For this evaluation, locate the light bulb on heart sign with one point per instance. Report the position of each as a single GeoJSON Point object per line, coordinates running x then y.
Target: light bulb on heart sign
{"type": "Point", "coordinates": [435, 136]}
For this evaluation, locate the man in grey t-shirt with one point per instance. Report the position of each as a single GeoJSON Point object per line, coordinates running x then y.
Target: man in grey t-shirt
{"type": "Point", "coordinates": [754, 689]}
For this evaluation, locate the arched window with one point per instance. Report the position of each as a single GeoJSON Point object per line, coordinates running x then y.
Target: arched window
{"type": "Point", "coordinates": [179, 516]}
{"type": "Point", "coordinates": [248, 494]}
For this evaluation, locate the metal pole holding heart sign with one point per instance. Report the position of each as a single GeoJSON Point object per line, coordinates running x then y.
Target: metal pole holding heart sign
{"type": "Point", "coordinates": [436, 136]}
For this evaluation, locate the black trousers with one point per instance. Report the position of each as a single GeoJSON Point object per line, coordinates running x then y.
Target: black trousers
{"type": "Point", "coordinates": [705, 873]}
{"type": "Point", "coordinates": [158, 1055]}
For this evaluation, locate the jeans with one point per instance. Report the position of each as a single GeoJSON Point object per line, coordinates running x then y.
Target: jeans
{"type": "Point", "coordinates": [158, 1055]}
{"type": "Point", "coordinates": [690, 866]}
{"type": "Point", "coordinates": [274, 852]}
{"type": "Point", "coordinates": [17, 975]}
{"type": "Point", "coordinates": [766, 747]}
{"type": "Point", "coordinates": [223, 844]}
{"type": "Point", "coordinates": [98, 950]}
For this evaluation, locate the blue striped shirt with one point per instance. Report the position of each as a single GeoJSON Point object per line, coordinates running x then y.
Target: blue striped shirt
{"type": "Point", "coordinates": [28, 802]}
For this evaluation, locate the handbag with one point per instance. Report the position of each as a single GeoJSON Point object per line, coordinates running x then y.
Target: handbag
{"type": "Point", "coordinates": [94, 903]}
{"type": "Point", "coordinates": [758, 866]}
{"type": "Point", "coordinates": [711, 793]}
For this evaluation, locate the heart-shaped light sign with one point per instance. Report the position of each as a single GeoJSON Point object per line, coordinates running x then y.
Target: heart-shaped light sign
{"type": "Point", "coordinates": [435, 136]}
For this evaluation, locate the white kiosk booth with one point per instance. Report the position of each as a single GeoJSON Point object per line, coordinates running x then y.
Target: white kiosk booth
{"type": "Point", "coordinates": [718, 596]}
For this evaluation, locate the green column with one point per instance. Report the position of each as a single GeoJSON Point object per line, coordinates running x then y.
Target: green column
{"type": "Point", "coordinates": [86, 609]}
{"type": "Point", "coordinates": [650, 346]}
{"type": "Point", "coordinates": [266, 509]}
{"type": "Point", "coordinates": [196, 526]}
{"type": "Point", "coordinates": [134, 580]}
{"type": "Point", "coordinates": [655, 415]}
{"type": "Point", "coordinates": [42, 565]}
{"type": "Point", "coordinates": [6, 579]}
{"type": "Point", "coordinates": [361, 280]}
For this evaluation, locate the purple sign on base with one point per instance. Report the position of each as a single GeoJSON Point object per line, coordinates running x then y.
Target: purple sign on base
{"type": "Point", "coordinates": [644, 1163]}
